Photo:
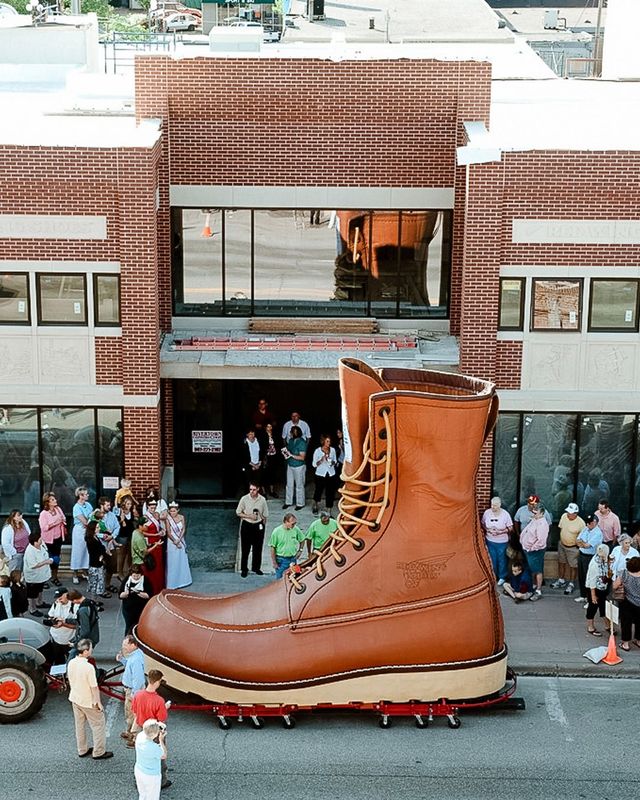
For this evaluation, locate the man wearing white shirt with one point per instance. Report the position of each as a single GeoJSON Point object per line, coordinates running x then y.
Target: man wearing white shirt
{"type": "Point", "coordinates": [295, 420]}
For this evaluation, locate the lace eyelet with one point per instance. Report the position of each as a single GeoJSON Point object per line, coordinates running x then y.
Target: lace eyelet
{"type": "Point", "coordinates": [359, 545]}
{"type": "Point", "coordinates": [341, 561]}
{"type": "Point", "coordinates": [382, 434]}
{"type": "Point", "coordinates": [384, 410]}
{"type": "Point", "coordinates": [321, 577]}
{"type": "Point", "coordinates": [300, 590]}
{"type": "Point", "coordinates": [375, 527]}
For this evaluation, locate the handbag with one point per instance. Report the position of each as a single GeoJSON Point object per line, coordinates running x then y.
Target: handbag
{"type": "Point", "coordinates": [149, 562]}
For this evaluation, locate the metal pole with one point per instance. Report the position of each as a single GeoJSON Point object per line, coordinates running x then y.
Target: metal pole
{"type": "Point", "coordinates": [597, 44]}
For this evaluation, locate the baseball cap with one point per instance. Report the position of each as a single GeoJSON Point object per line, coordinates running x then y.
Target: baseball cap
{"type": "Point", "coordinates": [533, 498]}
{"type": "Point", "coordinates": [591, 518]}
{"type": "Point", "coordinates": [59, 592]}
{"type": "Point", "coordinates": [572, 508]}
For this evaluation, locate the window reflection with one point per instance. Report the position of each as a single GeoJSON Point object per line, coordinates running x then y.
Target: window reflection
{"type": "Point", "coordinates": [68, 453]}
{"type": "Point", "coordinates": [237, 261]}
{"type": "Point", "coordinates": [565, 458]}
{"type": "Point", "coordinates": [19, 473]}
{"type": "Point", "coordinates": [202, 254]}
{"type": "Point", "coordinates": [295, 262]}
{"type": "Point", "coordinates": [66, 440]}
{"type": "Point", "coordinates": [505, 459]}
{"type": "Point", "coordinates": [606, 449]}
{"type": "Point", "coordinates": [319, 262]}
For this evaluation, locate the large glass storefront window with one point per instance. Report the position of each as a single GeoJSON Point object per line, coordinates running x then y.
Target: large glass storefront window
{"type": "Point", "coordinates": [58, 449]}
{"type": "Point", "coordinates": [566, 458]}
{"type": "Point", "coordinates": [311, 262]}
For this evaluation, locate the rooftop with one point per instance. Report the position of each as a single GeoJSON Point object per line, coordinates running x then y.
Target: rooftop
{"type": "Point", "coordinates": [562, 115]}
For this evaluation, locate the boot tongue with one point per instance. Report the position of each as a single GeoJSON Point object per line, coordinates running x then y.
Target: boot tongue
{"type": "Point", "coordinates": [357, 382]}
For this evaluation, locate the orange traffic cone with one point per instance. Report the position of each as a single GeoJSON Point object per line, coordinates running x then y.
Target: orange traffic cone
{"type": "Point", "coordinates": [207, 233]}
{"type": "Point", "coordinates": [612, 656]}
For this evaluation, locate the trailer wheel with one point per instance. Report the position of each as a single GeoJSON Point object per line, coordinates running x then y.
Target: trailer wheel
{"type": "Point", "coordinates": [421, 722]}
{"type": "Point", "coordinates": [23, 688]}
{"type": "Point", "coordinates": [288, 722]}
{"type": "Point", "coordinates": [223, 723]}
{"type": "Point", "coordinates": [453, 721]}
{"type": "Point", "coordinates": [384, 721]}
{"type": "Point", "coordinates": [257, 722]}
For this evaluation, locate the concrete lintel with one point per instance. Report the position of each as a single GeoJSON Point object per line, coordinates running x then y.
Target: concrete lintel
{"type": "Point", "coordinates": [568, 401]}
{"type": "Point", "coordinates": [60, 395]}
{"type": "Point", "coordinates": [376, 197]}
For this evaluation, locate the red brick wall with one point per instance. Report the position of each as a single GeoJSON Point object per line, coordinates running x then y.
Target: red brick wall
{"type": "Point", "coordinates": [350, 123]}
{"type": "Point", "coordinates": [108, 359]}
{"type": "Point", "coordinates": [142, 463]}
{"type": "Point", "coordinates": [562, 185]}
{"type": "Point", "coordinates": [481, 268]}
{"type": "Point", "coordinates": [508, 364]}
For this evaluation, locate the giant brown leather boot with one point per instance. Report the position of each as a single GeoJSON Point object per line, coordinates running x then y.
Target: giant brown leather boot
{"type": "Point", "coordinates": [400, 603]}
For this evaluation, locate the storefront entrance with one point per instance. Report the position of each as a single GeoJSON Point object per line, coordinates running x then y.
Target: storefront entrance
{"type": "Point", "coordinates": [213, 414]}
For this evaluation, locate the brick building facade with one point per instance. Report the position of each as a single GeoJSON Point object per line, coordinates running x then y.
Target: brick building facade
{"type": "Point", "coordinates": [247, 138]}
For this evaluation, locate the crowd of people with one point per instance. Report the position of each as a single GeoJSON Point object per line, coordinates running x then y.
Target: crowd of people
{"type": "Point", "coordinates": [132, 551]}
{"type": "Point", "coordinates": [270, 457]}
{"type": "Point", "coordinates": [593, 554]}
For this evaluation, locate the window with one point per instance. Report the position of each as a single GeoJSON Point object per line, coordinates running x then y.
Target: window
{"type": "Point", "coordinates": [613, 305]}
{"type": "Point", "coordinates": [311, 262]}
{"type": "Point", "coordinates": [106, 299]}
{"type": "Point", "coordinates": [57, 449]}
{"type": "Point", "coordinates": [19, 472]}
{"type": "Point", "coordinates": [14, 299]}
{"type": "Point", "coordinates": [556, 305]}
{"type": "Point", "coordinates": [510, 316]}
{"type": "Point", "coordinates": [564, 458]}
{"type": "Point", "coordinates": [62, 299]}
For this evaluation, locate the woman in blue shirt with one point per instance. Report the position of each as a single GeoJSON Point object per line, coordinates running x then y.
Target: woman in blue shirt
{"type": "Point", "coordinates": [79, 554]}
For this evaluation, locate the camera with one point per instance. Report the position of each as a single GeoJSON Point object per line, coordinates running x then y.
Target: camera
{"type": "Point", "coordinates": [49, 621]}
{"type": "Point", "coordinates": [162, 727]}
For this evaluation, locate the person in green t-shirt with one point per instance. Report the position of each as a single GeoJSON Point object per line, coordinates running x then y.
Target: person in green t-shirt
{"type": "Point", "coordinates": [286, 544]}
{"type": "Point", "coordinates": [320, 530]}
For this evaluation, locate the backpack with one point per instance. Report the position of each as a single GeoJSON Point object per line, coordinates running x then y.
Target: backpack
{"type": "Point", "coordinates": [89, 621]}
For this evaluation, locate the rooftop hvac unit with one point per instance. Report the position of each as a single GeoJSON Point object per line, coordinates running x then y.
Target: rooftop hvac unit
{"type": "Point", "coordinates": [551, 19]}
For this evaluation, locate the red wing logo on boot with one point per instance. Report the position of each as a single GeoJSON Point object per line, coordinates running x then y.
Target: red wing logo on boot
{"type": "Point", "coordinates": [423, 569]}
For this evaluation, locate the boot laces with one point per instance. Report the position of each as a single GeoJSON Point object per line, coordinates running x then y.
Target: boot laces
{"type": "Point", "coordinates": [353, 504]}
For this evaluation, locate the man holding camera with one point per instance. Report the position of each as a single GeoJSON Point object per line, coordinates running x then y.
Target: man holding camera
{"type": "Point", "coordinates": [62, 621]}
{"type": "Point", "coordinates": [253, 513]}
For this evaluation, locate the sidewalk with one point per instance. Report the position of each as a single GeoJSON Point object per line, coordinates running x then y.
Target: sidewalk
{"type": "Point", "coordinates": [544, 638]}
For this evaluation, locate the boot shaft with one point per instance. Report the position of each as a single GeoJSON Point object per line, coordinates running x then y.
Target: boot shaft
{"type": "Point", "coordinates": [409, 495]}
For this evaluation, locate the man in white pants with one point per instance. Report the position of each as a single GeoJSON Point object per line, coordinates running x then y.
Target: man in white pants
{"type": "Point", "coordinates": [294, 454]}
{"type": "Point", "coordinates": [149, 757]}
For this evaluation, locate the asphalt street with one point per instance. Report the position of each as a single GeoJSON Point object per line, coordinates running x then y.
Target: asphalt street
{"type": "Point", "coordinates": [576, 739]}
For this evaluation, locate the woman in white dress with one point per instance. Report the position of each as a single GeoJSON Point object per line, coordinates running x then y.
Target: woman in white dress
{"type": "Point", "coordinates": [79, 553]}
{"type": "Point", "coordinates": [178, 572]}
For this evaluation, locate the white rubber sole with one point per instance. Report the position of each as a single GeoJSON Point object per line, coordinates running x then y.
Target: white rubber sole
{"type": "Point", "coordinates": [457, 682]}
